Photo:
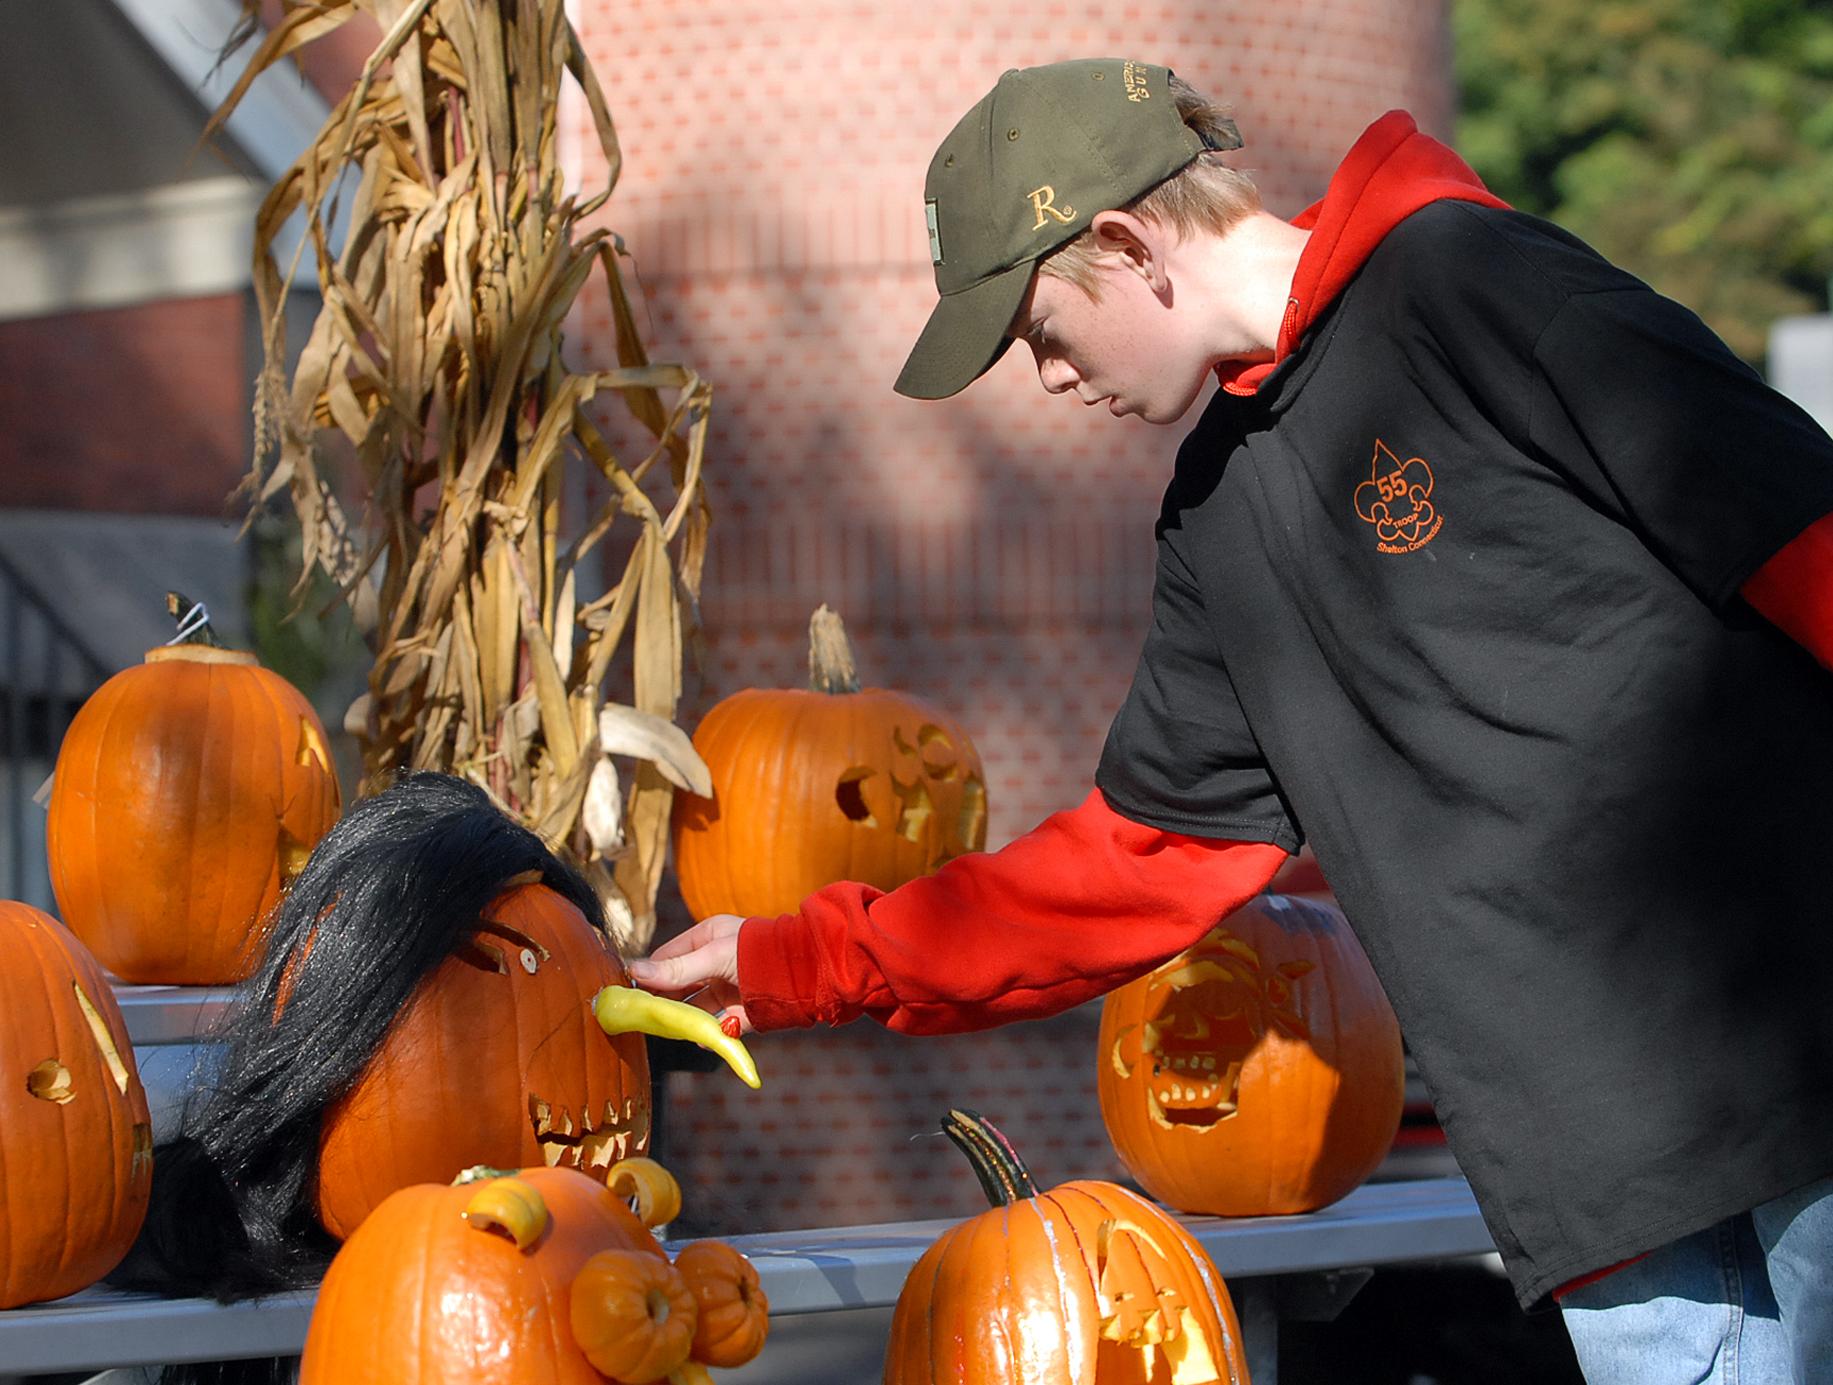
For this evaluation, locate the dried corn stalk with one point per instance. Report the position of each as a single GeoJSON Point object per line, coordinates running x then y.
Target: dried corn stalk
{"type": "Point", "coordinates": [432, 394]}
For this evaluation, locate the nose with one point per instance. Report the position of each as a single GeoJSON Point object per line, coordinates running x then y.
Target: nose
{"type": "Point", "coordinates": [1055, 374]}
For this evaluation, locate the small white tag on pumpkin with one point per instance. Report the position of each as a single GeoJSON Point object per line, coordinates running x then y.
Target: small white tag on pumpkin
{"type": "Point", "coordinates": [43, 796]}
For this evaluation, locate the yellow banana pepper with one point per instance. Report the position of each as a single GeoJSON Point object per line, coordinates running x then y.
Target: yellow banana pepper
{"type": "Point", "coordinates": [627, 1010]}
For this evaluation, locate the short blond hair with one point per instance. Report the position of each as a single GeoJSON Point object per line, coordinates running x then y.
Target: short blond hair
{"type": "Point", "coordinates": [1204, 195]}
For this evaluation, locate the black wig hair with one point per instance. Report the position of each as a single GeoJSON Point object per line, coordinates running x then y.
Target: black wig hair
{"type": "Point", "coordinates": [397, 885]}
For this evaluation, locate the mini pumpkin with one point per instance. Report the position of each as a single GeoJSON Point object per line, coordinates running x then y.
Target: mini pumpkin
{"type": "Point", "coordinates": [734, 1313]}
{"type": "Point", "coordinates": [76, 1143]}
{"type": "Point", "coordinates": [187, 792]}
{"type": "Point", "coordinates": [633, 1316]}
{"type": "Point", "coordinates": [1085, 1282]}
{"type": "Point", "coordinates": [832, 783]}
{"type": "Point", "coordinates": [1259, 1072]}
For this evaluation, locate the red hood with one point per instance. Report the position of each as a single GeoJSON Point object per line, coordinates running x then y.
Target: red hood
{"type": "Point", "coordinates": [1390, 173]}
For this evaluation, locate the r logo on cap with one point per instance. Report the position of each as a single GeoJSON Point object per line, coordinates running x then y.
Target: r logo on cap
{"type": "Point", "coordinates": [1043, 202]}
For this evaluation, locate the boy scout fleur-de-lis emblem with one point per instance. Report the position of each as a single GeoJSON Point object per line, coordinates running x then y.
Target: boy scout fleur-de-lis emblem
{"type": "Point", "coordinates": [1397, 500]}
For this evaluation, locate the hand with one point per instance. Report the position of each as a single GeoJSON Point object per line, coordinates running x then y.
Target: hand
{"type": "Point", "coordinates": [701, 966]}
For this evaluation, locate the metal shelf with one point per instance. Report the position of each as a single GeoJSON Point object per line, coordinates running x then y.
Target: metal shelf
{"type": "Point", "coordinates": [170, 1014]}
{"type": "Point", "coordinates": [804, 1272]}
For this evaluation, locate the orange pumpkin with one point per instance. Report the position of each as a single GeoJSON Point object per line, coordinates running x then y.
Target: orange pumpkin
{"type": "Point", "coordinates": [187, 792]}
{"type": "Point", "coordinates": [1260, 1071]}
{"type": "Point", "coordinates": [1085, 1282]}
{"type": "Point", "coordinates": [632, 1315]}
{"type": "Point", "coordinates": [734, 1313]}
{"type": "Point", "coordinates": [832, 783]}
{"type": "Point", "coordinates": [469, 1282]}
{"type": "Point", "coordinates": [76, 1143]}
{"type": "Point", "coordinates": [496, 1060]}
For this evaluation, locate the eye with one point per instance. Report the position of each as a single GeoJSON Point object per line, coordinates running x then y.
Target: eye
{"type": "Point", "coordinates": [528, 952]}
{"type": "Point", "coordinates": [482, 955]}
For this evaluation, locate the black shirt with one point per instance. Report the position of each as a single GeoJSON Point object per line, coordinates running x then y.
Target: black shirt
{"type": "Point", "coordinates": [1454, 598]}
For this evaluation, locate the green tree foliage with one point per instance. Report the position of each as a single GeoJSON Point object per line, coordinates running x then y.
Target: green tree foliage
{"type": "Point", "coordinates": [1691, 141]}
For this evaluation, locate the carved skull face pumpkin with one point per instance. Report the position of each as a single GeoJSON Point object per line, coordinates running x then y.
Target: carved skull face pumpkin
{"type": "Point", "coordinates": [1205, 1013]}
{"type": "Point", "coordinates": [76, 1142]}
{"type": "Point", "coordinates": [497, 1060]}
{"type": "Point", "coordinates": [1260, 1072]}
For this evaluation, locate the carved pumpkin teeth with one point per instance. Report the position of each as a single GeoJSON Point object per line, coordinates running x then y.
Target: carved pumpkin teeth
{"type": "Point", "coordinates": [602, 1149]}
{"type": "Point", "coordinates": [1192, 1062]}
{"type": "Point", "coordinates": [593, 1142]}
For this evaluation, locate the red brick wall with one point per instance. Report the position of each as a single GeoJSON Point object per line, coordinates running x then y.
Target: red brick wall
{"type": "Point", "coordinates": [141, 409]}
{"type": "Point", "coordinates": [992, 552]}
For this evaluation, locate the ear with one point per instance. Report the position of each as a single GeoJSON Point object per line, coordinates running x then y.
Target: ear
{"type": "Point", "coordinates": [1138, 245]}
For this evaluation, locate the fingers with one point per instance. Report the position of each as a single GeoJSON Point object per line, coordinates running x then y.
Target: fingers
{"type": "Point", "coordinates": [688, 962]}
{"type": "Point", "coordinates": [712, 927]}
{"type": "Point", "coordinates": [735, 1022]}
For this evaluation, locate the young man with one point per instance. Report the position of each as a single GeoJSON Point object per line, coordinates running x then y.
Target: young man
{"type": "Point", "coordinates": [1474, 573]}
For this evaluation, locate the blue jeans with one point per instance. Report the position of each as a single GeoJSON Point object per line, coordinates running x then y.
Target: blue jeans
{"type": "Point", "coordinates": [1746, 1302]}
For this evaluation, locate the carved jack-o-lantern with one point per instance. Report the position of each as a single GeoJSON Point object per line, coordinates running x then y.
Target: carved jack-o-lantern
{"type": "Point", "coordinates": [1258, 1072]}
{"type": "Point", "coordinates": [834, 783]}
{"type": "Point", "coordinates": [1087, 1282]}
{"type": "Point", "coordinates": [539, 1277]}
{"type": "Point", "coordinates": [76, 1143]}
{"type": "Point", "coordinates": [188, 791]}
{"type": "Point", "coordinates": [496, 1060]}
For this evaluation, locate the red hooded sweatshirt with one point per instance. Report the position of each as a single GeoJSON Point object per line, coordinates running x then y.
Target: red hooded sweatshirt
{"type": "Point", "coordinates": [1089, 900]}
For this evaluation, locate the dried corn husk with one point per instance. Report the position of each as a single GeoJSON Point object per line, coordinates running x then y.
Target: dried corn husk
{"type": "Point", "coordinates": [432, 398]}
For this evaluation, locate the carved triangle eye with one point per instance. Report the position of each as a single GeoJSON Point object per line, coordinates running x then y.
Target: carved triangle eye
{"type": "Point", "coordinates": [104, 1040]}
{"type": "Point", "coordinates": [312, 749]}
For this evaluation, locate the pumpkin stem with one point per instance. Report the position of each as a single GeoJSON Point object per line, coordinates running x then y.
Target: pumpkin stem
{"type": "Point", "coordinates": [478, 1173]}
{"type": "Point", "coordinates": [830, 654]}
{"type": "Point", "coordinates": [193, 621]}
{"type": "Point", "coordinates": [1002, 1173]}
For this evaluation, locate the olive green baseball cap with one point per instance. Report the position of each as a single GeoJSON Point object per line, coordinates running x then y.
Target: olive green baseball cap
{"type": "Point", "coordinates": [1024, 171]}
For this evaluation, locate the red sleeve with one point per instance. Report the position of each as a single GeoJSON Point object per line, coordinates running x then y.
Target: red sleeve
{"type": "Point", "coordinates": [1794, 589]}
{"type": "Point", "coordinates": [1083, 903]}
